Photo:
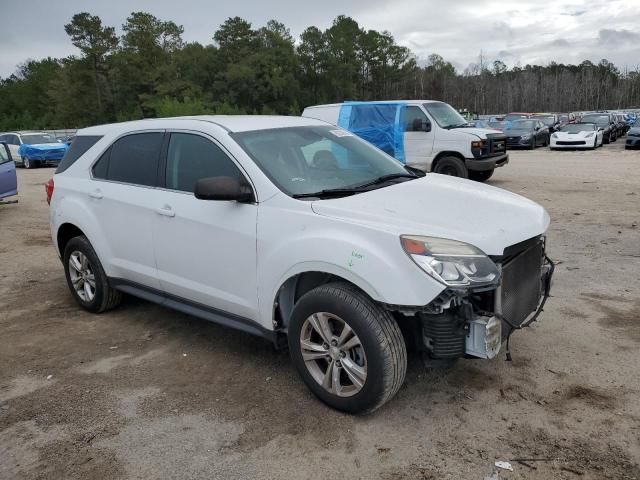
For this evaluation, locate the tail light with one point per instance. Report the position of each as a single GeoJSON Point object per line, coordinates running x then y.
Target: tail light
{"type": "Point", "coordinates": [48, 188]}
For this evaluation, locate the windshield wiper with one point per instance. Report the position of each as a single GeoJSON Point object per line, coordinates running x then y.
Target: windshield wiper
{"type": "Point", "coordinates": [329, 192]}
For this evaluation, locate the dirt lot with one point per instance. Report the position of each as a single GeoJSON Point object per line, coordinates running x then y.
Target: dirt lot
{"type": "Point", "coordinates": [144, 392]}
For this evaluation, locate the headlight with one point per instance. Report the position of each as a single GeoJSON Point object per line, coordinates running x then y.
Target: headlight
{"type": "Point", "coordinates": [590, 134]}
{"type": "Point", "coordinates": [555, 135]}
{"type": "Point", "coordinates": [451, 262]}
{"type": "Point", "coordinates": [526, 137]}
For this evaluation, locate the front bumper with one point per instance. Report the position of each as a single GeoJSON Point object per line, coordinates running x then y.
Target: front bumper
{"type": "Point", "coordinates": [632, 142]}
{"type": "Point", "coordinates": [490, 163]}
{"type": "Point", "coordinates": [476, 322]}
{"type": "Point", "coordinates": [571, 144]}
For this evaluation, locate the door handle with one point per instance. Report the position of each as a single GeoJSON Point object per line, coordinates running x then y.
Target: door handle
{"type": "Point", "coordinates": [97, 194]}
{"type": "Point", "coordinates": [166, 211]}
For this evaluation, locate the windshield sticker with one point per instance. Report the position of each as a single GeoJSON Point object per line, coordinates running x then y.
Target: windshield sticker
{"type": "Point", "coordinates": [342, 133]}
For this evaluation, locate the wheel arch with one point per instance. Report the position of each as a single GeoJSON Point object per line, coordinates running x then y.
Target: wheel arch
{"type": "Point", "coordinates": [444, 154]}
{"type": "Point", "coordinates": [297, 284]}
{"type": "Point", "coordinates": [66, 232]}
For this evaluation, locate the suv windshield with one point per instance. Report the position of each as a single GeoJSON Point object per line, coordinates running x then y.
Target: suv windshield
{"type": "Point", "coordinates": [445, 115]}
{"type": "Point", "coordinates": [578, 127]}
{"type": "Point", "coordinates": [38, 138]}
{"type": "Point", "coordinates": [305, 160]}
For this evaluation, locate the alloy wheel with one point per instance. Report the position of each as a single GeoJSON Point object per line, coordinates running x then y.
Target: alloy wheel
{"type": "Point", "coordinates": [333, 354]}
{"type": "Point", "coordinates": [82, 276]}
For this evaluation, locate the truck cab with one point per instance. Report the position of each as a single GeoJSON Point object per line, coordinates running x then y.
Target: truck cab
{"type": "Point", "coordinates": [425, 134]}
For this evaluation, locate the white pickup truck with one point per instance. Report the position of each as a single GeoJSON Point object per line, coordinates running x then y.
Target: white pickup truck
{"type": "Point", "coordinates": [425, 134]}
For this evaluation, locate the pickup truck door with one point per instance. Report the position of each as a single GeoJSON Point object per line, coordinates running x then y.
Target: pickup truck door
{"type": "Point", "coordinates": [8, 180]}
{"type": "Point", "coordinates": [418, 137]}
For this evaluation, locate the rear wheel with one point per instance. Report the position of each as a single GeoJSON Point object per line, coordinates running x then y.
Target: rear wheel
{"type": "Point", "coordinates": [451, 166]}
{"type": "Point", "coordinates": [348, 350]}
{"type": "Point", "coordinates": [86, 279]}
{"type": "Point", "coordinates": [481, 176]}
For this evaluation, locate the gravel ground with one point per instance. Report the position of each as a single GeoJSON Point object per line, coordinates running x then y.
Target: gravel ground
{"type": "Point", "coordinates": [145, 392]}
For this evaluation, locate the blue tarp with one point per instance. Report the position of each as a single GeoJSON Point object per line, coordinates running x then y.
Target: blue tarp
{"type": "Point", "coordinates": [44, 152]}
{"type": "Point", "coordinates": [379, 123]}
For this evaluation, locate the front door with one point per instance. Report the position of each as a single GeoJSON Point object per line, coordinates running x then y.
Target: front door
{"type": "Point", "coordinates": [8, 180]}
{"type": "Point", "coordinates": [418, 137]}
{"type": "Point", "coordinates": [205, 250]}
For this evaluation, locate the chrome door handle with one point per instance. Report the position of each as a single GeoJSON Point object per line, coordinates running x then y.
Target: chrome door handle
{"type": "Point", "coordinates": [166, 211]}
{"type": "Point", "coordinates": [97, 194]}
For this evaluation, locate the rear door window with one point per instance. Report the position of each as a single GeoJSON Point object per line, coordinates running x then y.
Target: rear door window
{"type": "Point", "coordinates": [78, 147]}
{"type": "Point", "coordinates": [132, 159]}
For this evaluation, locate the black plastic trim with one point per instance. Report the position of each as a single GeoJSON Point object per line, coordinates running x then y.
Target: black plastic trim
{"type": "Point", "coordinates": [192, 308]}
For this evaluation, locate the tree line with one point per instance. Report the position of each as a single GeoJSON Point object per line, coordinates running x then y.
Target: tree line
{"type": "Point", "coordinates": [150, 71]}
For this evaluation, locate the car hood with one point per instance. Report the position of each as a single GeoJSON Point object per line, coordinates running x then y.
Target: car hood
{"type": "Point", "coordinates": [574, 135]}
{"type": "Point", "coordinates": [634, 131]}
{"type": "Point", "coordinates": [447, 207]}
{"type": "Point", "coordinates": [478, 132]}
{"type": "Point", "coordinates": [517, 133]}
{"type": "Point", "coordinates": [45, 146]}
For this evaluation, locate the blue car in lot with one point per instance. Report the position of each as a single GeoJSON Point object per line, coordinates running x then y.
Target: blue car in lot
{"type": "Point", "coordinates": [34, 149]}
{"type": "Point", "coordinates": [8, 178]}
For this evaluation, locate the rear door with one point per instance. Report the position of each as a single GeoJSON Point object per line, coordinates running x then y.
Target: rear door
{"type": "Point", "coordinates": [205, 249]}
{"type": "Point", "coordinates": [418, 137]}
{"type": "Point", "coordinates": [122, 195]}
{"type": "Point", "coordinates": [8, 179]}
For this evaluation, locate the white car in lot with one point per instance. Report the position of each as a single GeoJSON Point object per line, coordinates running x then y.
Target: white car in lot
{"type": "Point", "coordinates": [300, 232]}
{"type": "Point", "coordinates": [577, 135]}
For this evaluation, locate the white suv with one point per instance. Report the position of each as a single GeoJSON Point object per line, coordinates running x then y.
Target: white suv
{"type": "Point", "coordinates": [300, 232]}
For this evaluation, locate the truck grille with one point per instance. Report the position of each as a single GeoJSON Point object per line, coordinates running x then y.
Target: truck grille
{"type": "Point", "coordinates": [497, 143]}
{"type": "Point", "coordinates": [521, 283]}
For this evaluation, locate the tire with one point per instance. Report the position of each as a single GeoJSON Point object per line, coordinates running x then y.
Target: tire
{"type": "Point", "coordinates": [26, 163]}
{"type": "Point", "coordinates": [481, 176]}
{"type": "Point", "coordinates": [104, 296]}
{"type": "Point", "coordinates": [533, 144]}
{"type": "Point", "coordinates": [606, 139]}
{"type": "Point", "coordinates": [380, 352]}
{"type": "Point", "coordinates": [452, 166]}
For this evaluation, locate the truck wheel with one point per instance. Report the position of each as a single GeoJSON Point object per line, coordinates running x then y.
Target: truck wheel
{"type": "Point", "coordinates": [451, 166]}
{"type": "Point", "coordinates": [481, 176]}
{"type": "Point", "coordinates": [348, 350]}
{"type": "Point", "coordinates": [87, 281]}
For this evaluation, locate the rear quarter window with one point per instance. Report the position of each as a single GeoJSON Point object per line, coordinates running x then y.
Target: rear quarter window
{"type": "Point", "coordinates": [78, 147]}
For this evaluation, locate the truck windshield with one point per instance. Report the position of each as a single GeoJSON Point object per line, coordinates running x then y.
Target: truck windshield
{"type": "Point", "coordinates": [304, 160]}
{"type": "Point", "coordinates": [445, 115]}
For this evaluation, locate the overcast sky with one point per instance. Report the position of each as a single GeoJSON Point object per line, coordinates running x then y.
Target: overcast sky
{"type": "Point", "coordinates": [515, 31]}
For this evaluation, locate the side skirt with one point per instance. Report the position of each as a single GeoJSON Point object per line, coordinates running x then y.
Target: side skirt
{"type": "Point", "coordinates": [192, 308]}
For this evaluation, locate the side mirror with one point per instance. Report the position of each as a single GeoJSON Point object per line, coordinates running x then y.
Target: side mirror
{"type": "Point", "coordinates": [537, 128]}
{"type": "Point", "coordinates": [223, 188]}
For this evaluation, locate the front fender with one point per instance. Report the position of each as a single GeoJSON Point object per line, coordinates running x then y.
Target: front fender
{"type": "Point", "coordinates": [370, 258]}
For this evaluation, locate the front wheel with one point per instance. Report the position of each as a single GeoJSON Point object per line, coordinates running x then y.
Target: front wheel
{"type": "Point", "coordinates": [481, 176]}
{"type": "Point", "coordinates": [452, 166]}
{"type": "Point", "coordinates": [348, 350]}
{"type": "Point", "coordinates": [26, 163]}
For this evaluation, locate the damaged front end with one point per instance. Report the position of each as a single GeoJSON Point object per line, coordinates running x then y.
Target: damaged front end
{"type": "Point", "coordinates": [474, 322]}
